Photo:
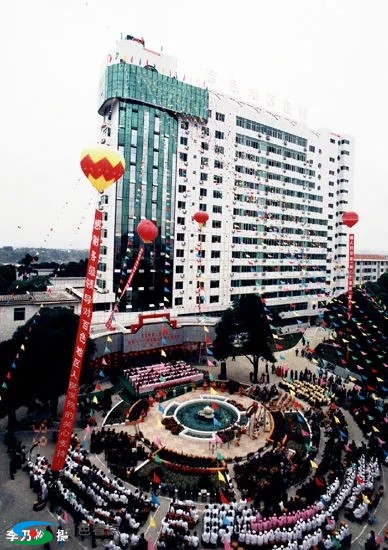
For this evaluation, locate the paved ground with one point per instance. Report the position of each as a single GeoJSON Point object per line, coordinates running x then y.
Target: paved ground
{"type": "Point", "coordinates": [16, 498]}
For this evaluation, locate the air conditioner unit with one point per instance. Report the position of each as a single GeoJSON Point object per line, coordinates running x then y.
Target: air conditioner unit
{"type": "Point", "coordinates": [187, 148]}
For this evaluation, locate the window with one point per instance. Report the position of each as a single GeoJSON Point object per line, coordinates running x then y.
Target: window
{"type": "Point", "coordinates": [216, 238]}
{"type": "Point", "coordinates": [217, 179]}
{"type": "Point", "coordinates": [219, 149]}
{"type": "Point", "coordinates": [214, 299]}
{"type": "Point", "coordinates": [312, 149]}
{"type": "Point", "coordinates": [218, 164]}
{"type": "Point", "coordinates": [178, 301]}
{"type": "Point", "coordinates": [216, 224]}
{"type": "Point", "coordinates": [205, 130]}
{"type": "Point", "coordinates": [183, 140]}
{"type": "Point", "coordinates": [215, 254]}
{"type": "Point", "coordinates": [203, 192]}
{"type": "Point", "coordinates": [205, 146]}
{"type": "Point", "coordinates": [332, 140]}
{"type": "Point", "coordinates": [219, 135]}
{"type": "Point", "coordinates": [180, 220]}
{"type": "Point", "coordinates": [220, 116]}
{"type": "Point", "coordinates": [215, 269]}
{"type": "Point", "coordinates": [19, 313]}
{"type": "Point", "coordinates": [179, 285]}
{"type": "Point", "coordinates": [181, 188]}
{"type": "Point", "coordinates": [203, 176]}
{"type": "Point", "coordinates": [217, 209]}
{"type": "Point", "coordinates": [180, 236]}
{"type": "Point", "coordinates": [214, 284]}
{"type": "Point", "coordinates": [179, 252]}
{"type": "Point", "coordinates": [183, 172]}
{"type": "Point", "coordinates": [181, 204]}
{"type": "Point", "coordinates": [217, 195]}
{"type": "Point", "coordinates": [179, 269]}
{"type": "Point", "coordinates": [204, 161]}
{"type": "Point", "coordinates": [209, 114]}
{"type": "Point", "coordinates": [183, 156]}
{"type": "Point", "coordinates": [184, 125]}
{"type": "Point", "coordinates": [332, 159]}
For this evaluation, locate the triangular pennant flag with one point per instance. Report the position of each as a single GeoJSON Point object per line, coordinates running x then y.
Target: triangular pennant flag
{"type": "Point", "coordinates": [160, 408]}
{"type": "Point", "coordinates": [157, 458]}
{"type": "Point", "coordinates": [152, 522]}
{"type": "Point", "coordinates": [221, 477]}
{"type": "Point", "coordinates": [156, 479]}
{"type": "Point", "coordinates": [95, 400]}
{"type": "Point", "coordinates": [220, 456]}
{"type": "Point", "coordinates": [101, 374]}
{"type": "Point", "coordinates": [223, 498]}
{"type": "Point", "coordinates": [213, 391]}
{"type": "Point", "coordinates": [313, 464]}
{"type": "Point", "coordinates": [109, 339]}
{"type": "Point", "coordinates": [163, 353]}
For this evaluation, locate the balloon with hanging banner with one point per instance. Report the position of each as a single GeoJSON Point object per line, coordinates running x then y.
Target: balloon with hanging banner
{"type": "Point", "coordinates": [102, 166]}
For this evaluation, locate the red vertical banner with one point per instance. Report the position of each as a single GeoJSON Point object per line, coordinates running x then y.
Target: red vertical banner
{"type": "Point", "coordinates": [350, 274]}
{"type": "Point", "coordinates": [139, 256]}
{"type": "Point", "coordinates": [71, 399]}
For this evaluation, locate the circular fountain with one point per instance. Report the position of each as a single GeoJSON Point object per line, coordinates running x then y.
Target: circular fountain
{"type": "Point", "coordinates": [200, 418]}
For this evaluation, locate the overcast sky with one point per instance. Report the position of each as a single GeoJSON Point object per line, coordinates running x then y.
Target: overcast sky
{"type": "Point", "coordinates": [328, 57]}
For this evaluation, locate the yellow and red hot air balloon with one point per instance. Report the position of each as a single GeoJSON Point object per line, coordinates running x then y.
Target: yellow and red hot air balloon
{"type": "Point", "coordinates": [102, 166]}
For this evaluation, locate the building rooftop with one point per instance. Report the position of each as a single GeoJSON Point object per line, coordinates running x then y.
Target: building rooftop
{"type": "Point", "coordinates": [370, 257]}
{"type": "Point", "coordinates": [50, 296]}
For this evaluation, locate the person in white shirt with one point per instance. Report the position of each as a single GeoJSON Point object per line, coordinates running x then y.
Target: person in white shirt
{"type": "Point", "coordinates": [194, 540]}
{"type": "Point", "coordinates": [213, 538]}
{"type": "Point", "coordinates": [206, 536]}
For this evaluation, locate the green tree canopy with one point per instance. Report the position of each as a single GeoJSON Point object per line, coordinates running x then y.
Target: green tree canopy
{"type": "Point", "coordinates": [41, 370]}
{"type": "Point", "coordinates": [244, 330]}
{"type": "Point", "coordinates": [35, 284]}
{"type": "Point", "coordinates": [7, 277]}
{"type": "Point", "coordinates": [26, 267]}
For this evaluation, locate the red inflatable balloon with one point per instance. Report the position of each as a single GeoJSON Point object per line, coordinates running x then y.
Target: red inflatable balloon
{"type": "Point", "coordinates": [349, 218]}
{"type": "Point", "coordinates": [147, 231]}
{"type": "Point", "coordinates": [201, 217]}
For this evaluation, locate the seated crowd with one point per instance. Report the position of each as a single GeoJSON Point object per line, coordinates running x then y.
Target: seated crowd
{"type": "Point", "coordinates": [122, 450]}
{"type": "Point", "coordinates": [90, 496]}
{"type": "Point", "coordinates": [312, 393]}
{"type": "Point", "coordinates": [157, 375]}
{"type": "Point", "coordinates": [178, 527]}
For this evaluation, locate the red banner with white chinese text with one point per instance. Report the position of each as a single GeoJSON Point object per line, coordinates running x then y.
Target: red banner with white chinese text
{"type": "Point", "coordinates": [71, 399]}
{"type": "Point", "coordinates": [350, 274]}
{"type": "Point", "coordinates": [139, 256]}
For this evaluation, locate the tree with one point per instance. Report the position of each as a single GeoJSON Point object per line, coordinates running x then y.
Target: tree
{"type": "Point", "coordinates": [7, 277]}
{"type": "Point", "coordinates": [36, 284]}
{"type": "Point", "coordinates": [26, 269]}
{"type": "Point", "coordinates": [37, 360]}
{"type": "Point", "coordinates": [71, 269]}
{"type": "Point", "coordinates": [244, 330]}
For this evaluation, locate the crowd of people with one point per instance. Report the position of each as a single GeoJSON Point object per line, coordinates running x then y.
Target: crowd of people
{"type": "Point", "coordinates": [155, 376]}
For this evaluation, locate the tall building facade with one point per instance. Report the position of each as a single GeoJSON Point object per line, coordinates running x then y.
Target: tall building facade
{"type": "Point", "coordinates": [274, 191]}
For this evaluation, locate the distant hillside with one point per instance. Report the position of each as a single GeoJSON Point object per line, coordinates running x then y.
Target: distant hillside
{"type": "Point", "coordinates": [9, 254]}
